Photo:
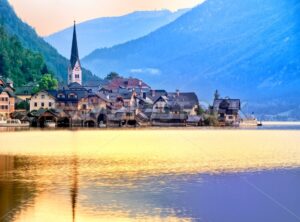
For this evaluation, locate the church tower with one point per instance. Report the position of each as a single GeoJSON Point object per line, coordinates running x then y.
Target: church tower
{"type": "Point", "coordinates": [74, 71]}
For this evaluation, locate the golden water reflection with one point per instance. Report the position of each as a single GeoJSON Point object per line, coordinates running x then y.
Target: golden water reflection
{"type": "Point", "coordinates": [122, 175]}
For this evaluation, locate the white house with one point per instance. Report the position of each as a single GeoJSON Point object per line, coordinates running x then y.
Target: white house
{"type": "Point", "coordinates": [42, 100]}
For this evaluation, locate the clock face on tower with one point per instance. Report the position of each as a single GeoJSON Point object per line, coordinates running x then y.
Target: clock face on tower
{"type": "Point", "coordinates": [77, 68]}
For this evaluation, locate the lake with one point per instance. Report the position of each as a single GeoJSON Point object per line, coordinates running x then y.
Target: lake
{"type": "Point", "coordinates": [151, 175]}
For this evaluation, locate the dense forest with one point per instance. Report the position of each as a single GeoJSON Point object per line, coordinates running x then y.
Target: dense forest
{"type": "Point", "coordinates": [18, 63]}
{"type": "Point", "coordinates": [30, 40]}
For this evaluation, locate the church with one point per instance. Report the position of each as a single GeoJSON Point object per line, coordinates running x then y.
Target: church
{"type": "Point", "coordinates": [74, 70]}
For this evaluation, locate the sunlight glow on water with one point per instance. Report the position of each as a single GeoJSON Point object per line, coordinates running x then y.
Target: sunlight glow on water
{"type": "Point", "coordinates": [122, 175]}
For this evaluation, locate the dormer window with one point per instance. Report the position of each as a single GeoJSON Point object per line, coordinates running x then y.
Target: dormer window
{"type": "Point", "coordinates": [61, 96]}
{"type": "Point", "coordinates": [72, 96]}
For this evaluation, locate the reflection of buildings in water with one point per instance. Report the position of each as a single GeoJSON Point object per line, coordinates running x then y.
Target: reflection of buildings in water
{"type": "Point", "coordinates": [74, 186]}
{"type": "Point", "coordinates": [6, 164]}
{"type": "Point", "coordinates": [13, 192]}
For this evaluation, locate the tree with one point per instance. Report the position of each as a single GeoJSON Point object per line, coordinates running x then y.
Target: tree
{"type": "Point", "coordinates": [47, 82]}
{"type": "Point", "coordinates": [23, 105]}
{"type": "Point", "coordinates": [112, 75]}
{"type": "Point", "coordinates": [18, 63]}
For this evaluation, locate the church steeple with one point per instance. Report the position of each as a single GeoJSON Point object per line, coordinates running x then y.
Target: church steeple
{"type": "Point", "coordinates": [75, 72]}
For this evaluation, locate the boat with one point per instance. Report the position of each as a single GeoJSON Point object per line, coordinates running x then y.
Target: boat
{"type": "Point", "coordinates": [250, 122]}
{"type": "Point", "coordinates": [13, 123]}
{"type": "Point", "coordinates": [50, 124]}
{"type": "Point", "coordinates": [102, 125]}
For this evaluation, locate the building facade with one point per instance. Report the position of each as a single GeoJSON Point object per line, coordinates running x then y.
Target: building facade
{"type": "Point", "coordinates": [7, 99]}
{"type": "Point", "coordinates": [42, 100]}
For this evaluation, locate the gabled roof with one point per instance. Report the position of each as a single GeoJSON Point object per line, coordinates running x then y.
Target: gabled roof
{"type": "Point", "coordinates": [26, 89]}
{"type": "Point", "coordinates": [80, 93]}
{"type": "Point", "coordinates": [130, 83]}
{"type": "Point", "coordinates": [186, 100]}
{"type": "Point", "coordinates": [9, 92]}
{"type": "Point", "coordinates": [162, 97]}
{"type": "Point", "coordinates": [75, 85]}
{"type": "Point", "coordinates": [48, 92]}
{"type": "Point", "coordinates": [233, 104]}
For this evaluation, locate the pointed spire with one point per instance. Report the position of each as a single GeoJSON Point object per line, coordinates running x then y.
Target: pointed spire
{"type": "Point", "coordinates": [74, 52]}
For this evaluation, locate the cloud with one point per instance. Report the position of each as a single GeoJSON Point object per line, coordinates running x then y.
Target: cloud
{"type": "Point", "coordinates": [147, 71]}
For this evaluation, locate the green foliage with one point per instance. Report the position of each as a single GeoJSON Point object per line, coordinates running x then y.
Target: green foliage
{"type": "Point", "coordinates": [47, 82]}
{"type": "Point", "coordinates": [211, 120]}
{"type": "Point", "coordinates": [17, 63]}
{"type": "Point", "coordinates": [23, 105]}
{"type": "Point", "coordinates": [200, 111]}
{"type": "Point", "coordinates": [30, 40]}
{"type": "Point", "coordinates": [112, 75]}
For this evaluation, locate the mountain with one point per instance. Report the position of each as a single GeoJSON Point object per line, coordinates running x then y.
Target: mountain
{"type": "Point", "coordinates": [17, 63]}
{"type": "Point", "coordinates": [247, 49]}
{"type": "Point", "coordinates": [30, 40]}
{"type": "Point", "coordinates": [110, 31]}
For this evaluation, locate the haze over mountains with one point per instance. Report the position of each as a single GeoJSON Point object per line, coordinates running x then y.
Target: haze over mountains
{"type": "Point", "coordinates": [110, 31]}
{"type": "Point", "coordinates": [247, 49]}
{"type": "Point", "coordinates": [14, 26]}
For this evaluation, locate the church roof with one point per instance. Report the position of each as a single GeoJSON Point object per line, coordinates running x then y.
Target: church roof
{"type": "Point", "coordinates": [74, 52]}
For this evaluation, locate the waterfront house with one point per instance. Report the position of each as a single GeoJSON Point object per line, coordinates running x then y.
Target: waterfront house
{"type": "Point", "coordinates": [186, 102]}
{"type": "Point", "coordinates": [227, 111]}
{"type": "Point", "coordinates": [7, 98]}
{"type": "Point", "coordinates": [42, 100]}
{"type": "Point", "coordinates": [68, 97]}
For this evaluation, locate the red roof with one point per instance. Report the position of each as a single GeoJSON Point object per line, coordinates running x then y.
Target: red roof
{"type": "Point", "coordinates": [126, 83]}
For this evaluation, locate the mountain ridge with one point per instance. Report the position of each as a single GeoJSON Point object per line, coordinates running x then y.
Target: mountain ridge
{"type": "Point", "coordinates": [242, 48]}
{"type": "Point", "coordinates": [109, 31]}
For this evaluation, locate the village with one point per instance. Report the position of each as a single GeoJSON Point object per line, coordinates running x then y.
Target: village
{"type": "Point", "coordinates": [119, 102]}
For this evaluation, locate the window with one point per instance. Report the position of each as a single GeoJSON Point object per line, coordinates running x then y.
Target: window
{"type": "Point", "coordinates": [43, 96]}
{"type": "Point", "coordinates": [35, 104]}
{"type": "Point", "coordinates": [42, 104]}
{"type": "Point", "coordinates": [77, 76]}
{"type": "Point", "coordinates": [50, 104]}
{"type": "Point", "coordinates": [72, 96]}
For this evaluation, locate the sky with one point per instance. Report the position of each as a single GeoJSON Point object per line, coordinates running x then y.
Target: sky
{"type": "Point", "coordinates": [49, 16]}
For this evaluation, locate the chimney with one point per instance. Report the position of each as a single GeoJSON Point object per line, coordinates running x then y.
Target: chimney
{"type": "Point", "coordinates": [177, 92]}
{"type": "Point", "coordinates": [153, 92]}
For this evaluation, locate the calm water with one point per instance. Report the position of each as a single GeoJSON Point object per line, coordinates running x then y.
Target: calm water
{"type": "Point", "coordinates": [150, 175]}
